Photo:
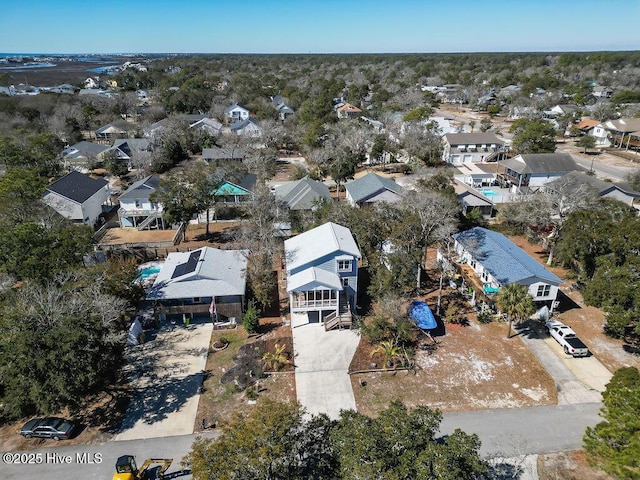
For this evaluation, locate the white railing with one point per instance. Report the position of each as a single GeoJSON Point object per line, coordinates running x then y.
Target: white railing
{"type": "Point", "coordinates": [314, 303]}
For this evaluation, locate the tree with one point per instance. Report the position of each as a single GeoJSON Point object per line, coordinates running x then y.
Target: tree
{"type": "Point", "coordinates": [401, 444]}
{"type": "Point", "coordinates": [273, 442]}
{"type": "Point", "coordinates": [418, 114]}
{"type": "Point", "coordinates": [614, 444]}
{"type": "Point", "coordinates": [514, 300]}
{"type": "Point", "coordinates": [180, 199]}
{"type": "Point", "coordinates": [251, 318]}
{"type": "Point", "coordinates": [73, 326]}
{"type": "Point", "coordinates": [585, 142]}
{"type": "Point", "coordinates": [634, 179]}
{"type": "Point", "coordinates": [485, 124]}
{"type": "Point", "coordinates": [389, 350]}
{"type": "Point", "coordinates": [533, 136]}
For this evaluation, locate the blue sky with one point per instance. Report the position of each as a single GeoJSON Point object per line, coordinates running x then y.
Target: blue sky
{"type": "Point", "coordinates": [323, 26]}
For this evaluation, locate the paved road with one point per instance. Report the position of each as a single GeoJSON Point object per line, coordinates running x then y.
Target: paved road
{"type": "Point", "coordinates": [503, 432]}
{"type": "Point", "coordinates": [604, 170]}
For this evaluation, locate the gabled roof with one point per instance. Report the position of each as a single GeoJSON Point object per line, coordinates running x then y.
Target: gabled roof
{"type": "Point", "coordinates": [319, 242]}
{"type": "Point", "coordinates": [347, 107]}
{"type": "Point", "coordinates": [234, 107]}
{"type": "Point", "coordinates": [142, 189]}
{"type": "Point", "coordinates": [130, 145]}
{"type": "Point", "coordinates": [542, 163]}
{"type": "Point", "coordinates": [89, 149]}
{"type": "Point", "coordinates": [209, 124]}
{"type": "Point", "coordinates": [243, 187]}
{"type": "Point", "coordinates": [574, 180]}
{"type": "Point", "coordinates": [311, 278]}
{"type": "Point", "coordinates": [371, 184]}
{"type": "Point", "coordinates": [472, 139]}
{"type": "Point", "coordinates": [302, 194]}
{"type": "Point", "coordinates": [506, 262]}
{"type": "Point", "coordinates": [109, 128]}
{"type": "Point", "coordinates": [587, 124]}
{"type": "Point", "coordinates": [626, 125]}
{"type": "Point", "coordinates": [206, 272]}
{"type": "Point", "coordinates": [77, 186]}
{"type": "Point", "coordinates": [241, 125]}
{"type": "Point", "coordinates": [470, 196]}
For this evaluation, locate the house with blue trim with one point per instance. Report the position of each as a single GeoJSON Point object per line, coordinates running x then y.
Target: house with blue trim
{"type": "Point", "coordinates": [497, 262]}
{"type": "Point", "coordinates": [322, 276]}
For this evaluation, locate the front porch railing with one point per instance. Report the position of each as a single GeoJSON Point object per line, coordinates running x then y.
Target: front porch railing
{"type": "Point", "coordinates": [314, 303]}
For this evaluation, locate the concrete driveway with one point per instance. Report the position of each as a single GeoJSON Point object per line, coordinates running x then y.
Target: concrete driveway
{"type": "Point", "coordinates": [578, 380]}
{"type": "Point", "coordinates": [322, 361]}
{"type": "Point", "coordinates": [166, 373]}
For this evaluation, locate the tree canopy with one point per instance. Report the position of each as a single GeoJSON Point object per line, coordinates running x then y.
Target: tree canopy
{"type": "Point", "coordinates": [533, 136]}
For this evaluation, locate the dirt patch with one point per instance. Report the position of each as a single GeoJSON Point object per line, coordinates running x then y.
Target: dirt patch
{"type": "Point", "coordinates": [568, 466]}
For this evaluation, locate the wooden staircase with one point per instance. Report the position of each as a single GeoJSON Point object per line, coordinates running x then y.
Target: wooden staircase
{"type": "Point", "coordinates": [342, 320]}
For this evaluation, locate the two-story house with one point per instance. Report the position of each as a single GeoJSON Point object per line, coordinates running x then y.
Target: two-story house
{"type": "Point", "coordinates": [496, 261]}
{"type": "Point", "coordinates": [78, 197]}
{"type": "Point", "coordinates": [136, 207]}
{"type": "Point", "coordinates": [471, 147]}
{"type": "Point", "coordinates": [371, 189]}
{"type": "Point", "coordinates": [533, 170]}
{"type": "Point", "coordinates": [236, 113]}
{"type": "Point", "coordinates": [322, 275]}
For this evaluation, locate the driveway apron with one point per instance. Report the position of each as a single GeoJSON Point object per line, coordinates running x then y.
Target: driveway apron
{"type": "Point", "coordinates": [166, 374]}
{"type": "Point", "coordinates": [322, 362]}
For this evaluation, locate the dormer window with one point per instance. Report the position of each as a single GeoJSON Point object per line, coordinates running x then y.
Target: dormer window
{"type": "Point", "coordinates": [344, 265]}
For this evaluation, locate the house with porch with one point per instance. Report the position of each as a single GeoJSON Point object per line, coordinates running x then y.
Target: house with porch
{"type": "Point", "coordinates": [529, 172]}
{"type": "Point", "coordinates": [137, 210]}
{"type": "Point", "coordinates": [236, 113]}
{"type": "Point", "coordinates": [78, 197]}
{"type": "Point", "coordinates": [495, 261]}
{"type": "Point", "coordinates": [322, 276]}
{"type": "Point", "coordinates": [235, 193]}
{"type": "Point", "coordinates": [108, 132]}
{"type": "Point", "coordinates": [84, 154]}
{"type": "Point", "coordinates": [206, 282]}
{"type": "Point", "coordinates": [472, 147]}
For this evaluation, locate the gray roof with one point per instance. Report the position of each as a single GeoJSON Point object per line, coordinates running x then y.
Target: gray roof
{"type": "Point", "coordinates": [370, 185]}
{"type": "Point", "coordinates": [142, 189]}
{"type": "Point", "coordinates": [77, 186]}
{"type": "Point", "coordinates": [506, 262]}
{"type": "Point", "coordinates": [235, 105]}
{"type": "Point", "coordinates": [626, 125]}
{"type": "Point", "coordinates": [302, 194]}
{"type": "Point", "coordinates": [109, 126]}
{"type": "Point", "coordinates": [129, 145]}
{"type": "Point", "coordinates": [470, 196]}
{"type": "Point", "coordinates": [542, 163]}
{"type": "Point", "coordinates": [574, 180]}
{"type": "Point", "coordinates": [89, 149]}
{"type": "Point", "coordinates": [206, 272]}
{"type": "Point", "coordinates": [472, 139]}
{"type": "Point", "coordinates": [244, 123]}
{"type": "Point", "coordinates": [318, 242]}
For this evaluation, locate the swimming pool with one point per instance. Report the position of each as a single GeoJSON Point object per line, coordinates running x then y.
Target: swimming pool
{"type": "Point", "coordinates": [149, 270]}
{"type": "Point", "coordinates": [487, 192]}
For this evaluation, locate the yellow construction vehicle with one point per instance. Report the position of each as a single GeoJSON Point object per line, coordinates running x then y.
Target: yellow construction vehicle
{"type": "Point", "coordinates": [126, 468]}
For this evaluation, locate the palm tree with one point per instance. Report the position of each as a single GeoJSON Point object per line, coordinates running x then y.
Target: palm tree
{"type": "Point", "coordinates": [388, 349]}
{"type": "Point", "coordinates": [514, 300]}
{"type": "Point", "coordinates": [276, 359]}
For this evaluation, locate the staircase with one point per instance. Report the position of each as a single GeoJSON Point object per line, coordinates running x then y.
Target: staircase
{"type": "Point", "coordinates": [334, 320]}
{"type": "Point", "coordinates": [147, 221]}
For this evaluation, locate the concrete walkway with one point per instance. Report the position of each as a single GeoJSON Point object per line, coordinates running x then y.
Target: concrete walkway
{"type": "Point", "coordinates": [166, 373]}
{"type": "Point", "coordinates": [322, 361]}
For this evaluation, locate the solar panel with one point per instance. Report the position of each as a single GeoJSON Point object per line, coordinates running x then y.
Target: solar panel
{"type": "Point", "coordinates": [189, 266]}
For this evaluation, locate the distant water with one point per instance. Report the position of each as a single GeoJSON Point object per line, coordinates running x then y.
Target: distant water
{"type": "Point", "coordinates": [106, 69]}
{"type": "Point", "coordinates": [26, 66]}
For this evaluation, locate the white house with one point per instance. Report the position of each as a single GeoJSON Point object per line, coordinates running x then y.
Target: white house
{"type": "Point", "coordinates": [136, 207]}
{"type": "Point", "coordinates": [78, 197]}
{"type": "Point", "coordinates": [496, 261]}
{"type": "Point", "coordinates": [236, 113]}
{"type": "Point", "coordinates": [471, 147]}
{"type": "Point", "coordinates": [322, 275]}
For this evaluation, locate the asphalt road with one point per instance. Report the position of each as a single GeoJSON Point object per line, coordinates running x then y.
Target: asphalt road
{"type": "Point", "coordinates": [503, 432]}
{"type": "Point", "coordinates": [603, 170]}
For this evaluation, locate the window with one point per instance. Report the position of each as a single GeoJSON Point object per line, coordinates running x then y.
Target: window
{"type": "Point", "coordinates": [543, 290]}
{"type": "Point", "coordinates": [345, 282]}
{"type": "Point", "coordinates": [138, 204]}
{"type": "Point", "coordinates": [344, 265]}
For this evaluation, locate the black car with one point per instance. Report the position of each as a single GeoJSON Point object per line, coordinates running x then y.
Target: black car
{"type": "Point", "coordinates": [49, 427]}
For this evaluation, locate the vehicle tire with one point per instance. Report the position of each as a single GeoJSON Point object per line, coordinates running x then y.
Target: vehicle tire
{"type": "Point", "coordinates": [27, 435]}
{"type": "Point", "coordinates": [56, 438]}
{"type": "Point", "coordinates": [566, 350]}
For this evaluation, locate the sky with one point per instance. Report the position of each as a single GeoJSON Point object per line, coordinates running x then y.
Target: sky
{"type": "Point", "coordinates": [322, 26]}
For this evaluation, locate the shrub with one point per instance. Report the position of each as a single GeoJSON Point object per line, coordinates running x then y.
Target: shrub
{"type": "Point", "coordinates": [251, 318]}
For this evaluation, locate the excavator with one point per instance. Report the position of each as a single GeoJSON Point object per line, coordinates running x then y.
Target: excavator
{"type": "Point", "coordinates": [126, 468]}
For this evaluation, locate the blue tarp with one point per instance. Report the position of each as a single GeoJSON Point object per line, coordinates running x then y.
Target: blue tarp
{"type": "Point", "coordinates": [421, 314]}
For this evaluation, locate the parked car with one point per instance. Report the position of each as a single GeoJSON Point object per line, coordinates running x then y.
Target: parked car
{"type": "Point", "coordinates": [567, 338]}
{"type": "Point", "coordinates": [49, 427]}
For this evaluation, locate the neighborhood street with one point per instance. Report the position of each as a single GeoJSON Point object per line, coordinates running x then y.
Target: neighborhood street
{"type": "Point", "coordinates": [503, 432]}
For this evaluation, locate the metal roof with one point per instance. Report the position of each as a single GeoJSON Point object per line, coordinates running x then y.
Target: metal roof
{"type": "Point", "coordinates": [206, 272]}
{"type": "Point", "coordinates": [506, 262]}
{"type": "Point", "coordinates": [302, 194]}
{"type": "Point", "coordinates": [77, 186]}
{"type": "Point", "coordinates": [371, 184]}
{"type": "Point", "coordinates": [142, 189]}
{"type": "Point", "coordinates": [313, 278]}
{"type": "Point", "coordinates": [472, 139]}
{"type": "Point", "coordinates": [319, 242]}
